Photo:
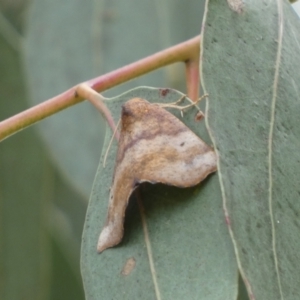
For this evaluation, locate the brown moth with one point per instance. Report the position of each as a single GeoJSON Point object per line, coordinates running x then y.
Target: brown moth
{"type": "Point", "coordinates": [154, 147]}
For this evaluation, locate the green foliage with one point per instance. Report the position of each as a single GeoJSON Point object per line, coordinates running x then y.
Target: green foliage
{"type": "Point", "coordinates": [21, 213]}
{"type": "Point", "coordinates": [33, 212]}
{"type": "Point", "coordinates": [252, 76]}
{"type": "Point", "coordinates": [253, 117]}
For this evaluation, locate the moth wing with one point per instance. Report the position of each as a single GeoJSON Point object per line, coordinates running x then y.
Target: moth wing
{"type": "Point", "coordinates": [154, 147]}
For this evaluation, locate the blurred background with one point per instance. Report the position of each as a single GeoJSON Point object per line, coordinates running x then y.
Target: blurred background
{"type": "Point", "coordinates": [47, 171]}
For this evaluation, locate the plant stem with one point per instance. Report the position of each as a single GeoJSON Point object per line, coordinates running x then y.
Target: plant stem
{"type": "Point", "coordinates": [182, 52]}
{"type": "Point", "coordinates": [86, 92]}
{"type": "Point", "coordinates": [192, 77]}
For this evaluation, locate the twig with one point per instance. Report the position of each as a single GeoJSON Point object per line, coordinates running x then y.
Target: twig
{"type": "Point", "coordinates": [181, 52]}
{"type": "Point", "coordinates": [192, 76]}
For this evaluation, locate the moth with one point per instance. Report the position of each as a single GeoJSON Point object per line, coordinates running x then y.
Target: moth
{"type": "Point", "coordinates": [156, 147]}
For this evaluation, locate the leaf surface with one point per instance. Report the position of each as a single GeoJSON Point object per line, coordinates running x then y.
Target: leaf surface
{"type": "Point", "coordinates": [21, 209]}
{"type": "Point", "coordinates": [251, 72]}
{"type": "Point", "coordinates": [37, 208]}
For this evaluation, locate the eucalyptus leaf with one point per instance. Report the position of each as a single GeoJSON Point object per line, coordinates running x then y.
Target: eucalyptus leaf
{"type": "Point", "coordinates": [24, 250]}
{"type": "Point", "coordinates": [250, 69]}
{"type": "Point", "coordinates": [191, 249]}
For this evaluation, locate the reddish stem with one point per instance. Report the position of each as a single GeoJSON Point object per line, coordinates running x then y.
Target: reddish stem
{"type": "Point", "coordinates": [192, 76]}
{"type": "Point", "coordinates": [86, 92]}
{"type": "Point", "coordinates": [185, 51]}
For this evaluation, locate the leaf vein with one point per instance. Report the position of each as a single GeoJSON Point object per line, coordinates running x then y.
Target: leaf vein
{"type": "Point", "coordinates": [148, 246]}
{"type": "Point", "coordinates": [270, 140]}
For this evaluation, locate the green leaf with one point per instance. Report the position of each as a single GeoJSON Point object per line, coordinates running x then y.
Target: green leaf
{"type": "Point", "coordinates": [37, 209]}
{"type": "Point", "coordinates": [191, 249]}
{"type": "Point", "coordinates": [24, 270]}
{"type": "Point", "coordinates": [72, 41]}
{"type": "Point", "coordinates": [29, 266]}
{"type": "Point", "coordinates": [251, 72]}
